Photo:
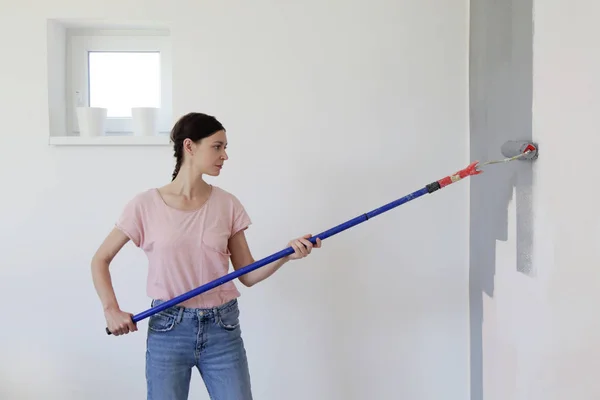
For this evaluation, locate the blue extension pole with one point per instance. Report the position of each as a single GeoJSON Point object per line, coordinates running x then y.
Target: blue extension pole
{"type": "Point", "coordinates": [430, 188]}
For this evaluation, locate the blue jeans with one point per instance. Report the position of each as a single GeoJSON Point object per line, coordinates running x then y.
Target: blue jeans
{"type": "Point", "coordinates": [210, 340]}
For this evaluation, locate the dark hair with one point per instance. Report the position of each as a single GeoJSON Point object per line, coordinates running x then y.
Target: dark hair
{"type": "Point", "coordinates": [194, 126]}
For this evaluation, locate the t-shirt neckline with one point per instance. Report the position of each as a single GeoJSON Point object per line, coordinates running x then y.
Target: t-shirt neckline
{"type": "Point", "coordinates": [202, 206]}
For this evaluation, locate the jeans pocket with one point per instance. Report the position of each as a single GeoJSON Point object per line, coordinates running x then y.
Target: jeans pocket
{"type": "Point", "coordinates": [161, 322]}
{"type": "Point", "coordinates": [229, 319]}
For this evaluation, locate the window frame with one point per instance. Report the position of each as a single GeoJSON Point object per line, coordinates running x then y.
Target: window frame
{"type": "Point", "coordinates": [82, 42]}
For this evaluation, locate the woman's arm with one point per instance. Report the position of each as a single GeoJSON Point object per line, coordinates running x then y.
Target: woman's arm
{"type": "Point", "coordinates": [241, 256]}
{"type": "Point", "coordinates": [118, 322]}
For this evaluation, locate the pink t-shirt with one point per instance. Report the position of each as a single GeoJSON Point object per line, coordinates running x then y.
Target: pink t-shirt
{"type": "Point", "coordinates": [185, 249]}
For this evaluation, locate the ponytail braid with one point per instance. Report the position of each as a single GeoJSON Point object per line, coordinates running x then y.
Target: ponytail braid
{"type": "Point", "coordinates": [177, 167]}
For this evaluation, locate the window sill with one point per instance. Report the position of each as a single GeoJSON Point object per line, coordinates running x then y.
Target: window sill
{"type": "Point", "coordinates": [110, 141]}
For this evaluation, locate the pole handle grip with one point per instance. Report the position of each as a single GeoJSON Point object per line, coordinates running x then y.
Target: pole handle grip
{"type": "Point", "coordinates": [108, 332]}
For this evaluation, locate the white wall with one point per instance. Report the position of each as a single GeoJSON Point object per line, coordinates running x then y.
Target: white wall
{"type": "Point", "coordinates": [380, 312]}
{"type": "Point", "coordinates": [541, 332]}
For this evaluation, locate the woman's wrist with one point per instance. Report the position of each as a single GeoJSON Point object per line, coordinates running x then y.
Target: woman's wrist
{"type": "Point", "coordinates": [110, 307]}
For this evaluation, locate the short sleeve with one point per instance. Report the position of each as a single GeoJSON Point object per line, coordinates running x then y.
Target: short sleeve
{"type": "Point", "coordinates": [130, 221]}
{"type": "Point", "coordinates": [241, 219]}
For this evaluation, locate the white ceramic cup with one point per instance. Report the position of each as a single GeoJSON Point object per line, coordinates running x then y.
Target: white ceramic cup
{"type": "Point", "coordinates": [92, 121]}
{"type": "Point", "coordinates": [145, 121]}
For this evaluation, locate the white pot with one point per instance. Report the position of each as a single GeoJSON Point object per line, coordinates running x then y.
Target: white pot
{"type": "Point", "coordinates": [92, 121]}
{"type": "Point", "coordinates": [145, 121]}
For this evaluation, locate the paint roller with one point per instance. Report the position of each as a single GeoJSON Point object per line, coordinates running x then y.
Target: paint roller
{"type": "Point", "coordinates": [519, 149]}
{"type": "Point", "coordinates": [512, 150]}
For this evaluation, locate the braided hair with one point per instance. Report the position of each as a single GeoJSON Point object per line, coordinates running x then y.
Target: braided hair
{"type": "Point", "coordinates": [194, 126]}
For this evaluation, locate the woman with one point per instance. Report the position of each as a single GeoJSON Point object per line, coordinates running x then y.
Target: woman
{"type": "Point", "coordinates": [189, 230]}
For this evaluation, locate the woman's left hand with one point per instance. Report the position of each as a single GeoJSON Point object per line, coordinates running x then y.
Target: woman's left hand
{"type": "Point", "coordinates": [302, 247]}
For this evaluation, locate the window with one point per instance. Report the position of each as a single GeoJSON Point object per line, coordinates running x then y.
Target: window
{"type": "Point", "coordinates": [119, 70]}
{"type": "Point", "coordinates": [122, 80]}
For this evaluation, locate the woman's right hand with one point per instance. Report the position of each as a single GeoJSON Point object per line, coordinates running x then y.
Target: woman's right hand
{"type": "Point", "coordinates": [119, 322]}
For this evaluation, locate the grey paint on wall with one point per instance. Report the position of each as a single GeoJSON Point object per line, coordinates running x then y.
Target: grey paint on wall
{"type": "Point", "coordinates": [501, 81]}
